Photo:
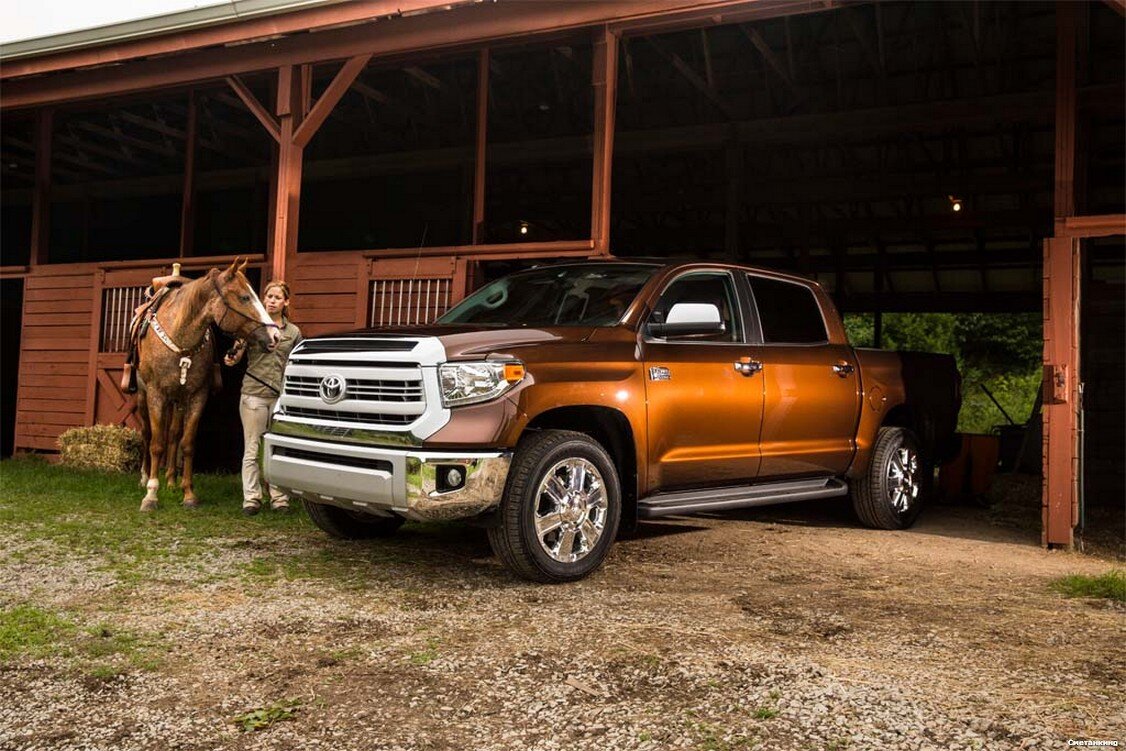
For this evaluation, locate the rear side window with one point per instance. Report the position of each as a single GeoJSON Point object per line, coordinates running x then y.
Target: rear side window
{"type": "Point", "coordinates": [789, 312]}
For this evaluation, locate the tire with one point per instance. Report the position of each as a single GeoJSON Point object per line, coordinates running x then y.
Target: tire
{"type": "Point", "coordinates": [879, 499]}
{"type": "Point", "coordinates": [351, 525]}
{"type": "Point", "coordinates": [550, 466]}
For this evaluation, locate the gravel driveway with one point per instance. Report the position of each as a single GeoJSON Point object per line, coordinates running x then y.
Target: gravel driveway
{"type": "Point", "coordinates": [786, 628]}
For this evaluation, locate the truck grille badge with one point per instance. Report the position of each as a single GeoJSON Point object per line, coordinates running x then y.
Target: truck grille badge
{"type": "Point", "coordinates": [659, 373]}
{"type": "Point", "coordinates": [333, 388]}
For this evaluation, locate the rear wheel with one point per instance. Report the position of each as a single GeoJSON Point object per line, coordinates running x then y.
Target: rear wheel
{"type": "Point", "coordinates": [560, 510]}
{"type": "Point", "coordinates": [351, 525]}
{"type": "Point", "coordinates": [891, 494]}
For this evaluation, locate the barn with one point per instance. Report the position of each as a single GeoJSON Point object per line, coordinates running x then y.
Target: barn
{"type": "Point", "coordinates": [388, 157]}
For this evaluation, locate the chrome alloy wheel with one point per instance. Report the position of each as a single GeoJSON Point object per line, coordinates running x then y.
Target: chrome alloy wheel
{"type": "Point", "coordinates": [903, 478]}
{"type": "Point", "coordinates": [570, 512]}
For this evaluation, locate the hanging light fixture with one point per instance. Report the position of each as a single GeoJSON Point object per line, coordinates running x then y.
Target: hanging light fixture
{"type": "Point", "coordinates": [955, 203]}
{"type": "Point", "coordinates": [523, 228]}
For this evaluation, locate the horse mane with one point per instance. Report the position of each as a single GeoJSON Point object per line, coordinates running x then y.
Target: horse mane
{"type": "Point", "coordinates": [192, 299]}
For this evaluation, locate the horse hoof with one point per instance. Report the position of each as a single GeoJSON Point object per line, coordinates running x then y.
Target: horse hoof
{"type": "Point", "coordinates": [147, 506]}
{"type": "Point", "coordinates": [192, 503]}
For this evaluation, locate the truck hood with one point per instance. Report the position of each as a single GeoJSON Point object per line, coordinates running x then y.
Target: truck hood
{"type": "Point", "coordinates": [478, 341]}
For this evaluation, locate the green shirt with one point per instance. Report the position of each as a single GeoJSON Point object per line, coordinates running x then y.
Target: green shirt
{"type": "Point", "coordinates": [268, 367]}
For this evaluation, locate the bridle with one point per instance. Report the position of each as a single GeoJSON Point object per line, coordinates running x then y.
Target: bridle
{"type": "Point", "coordinates": [228, 309]}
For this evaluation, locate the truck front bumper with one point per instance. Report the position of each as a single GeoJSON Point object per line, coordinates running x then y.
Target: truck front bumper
{"type": "Point", "coordinates": [383, 481]}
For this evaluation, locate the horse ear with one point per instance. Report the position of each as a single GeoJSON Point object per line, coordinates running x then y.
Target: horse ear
{"type": "Point", "coordinates": [233, 267]}
{"type": "Point", "coordinates": [243, 264]}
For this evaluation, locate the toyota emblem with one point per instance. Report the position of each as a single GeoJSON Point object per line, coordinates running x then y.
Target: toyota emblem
{"type": "Point", "coordinates": [333, 388]}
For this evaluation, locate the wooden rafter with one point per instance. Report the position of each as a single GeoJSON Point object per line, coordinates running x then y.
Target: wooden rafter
{"type": "Point", "coordinates": [329, 99]}
{"type": "Point", "coordinates": [269, 122]}
{"type": "Point", "coordinates": [692, 77]}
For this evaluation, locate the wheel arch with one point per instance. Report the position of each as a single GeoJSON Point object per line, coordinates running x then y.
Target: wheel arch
{"type": "Point", "coordinates": [612, 430]}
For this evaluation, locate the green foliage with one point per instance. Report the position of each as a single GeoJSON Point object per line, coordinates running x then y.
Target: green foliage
{"type": "Point", "coordinates": [112, 448]}
{"type": "Point", "coordinates": [999, 351]}
{"type": "Point", "coordinates": [100, 651]}
{"type": "Point", "coordinates": [264, 717]}
{"type": "Point", "coordinates": [1108, 586]}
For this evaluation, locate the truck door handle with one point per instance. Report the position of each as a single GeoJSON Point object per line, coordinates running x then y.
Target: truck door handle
{"type": "Point", "coordinates": [747, 366]}
{"type": "Point", "coordinates": [843, 369]}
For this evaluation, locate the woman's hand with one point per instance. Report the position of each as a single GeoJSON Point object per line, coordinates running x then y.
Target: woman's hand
{"type": "Point", "coordinates": [235, 353]}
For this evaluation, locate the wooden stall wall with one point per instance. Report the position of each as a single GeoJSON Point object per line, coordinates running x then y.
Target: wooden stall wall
{"type": "Point", "coordinates": [59, 318]}
{"type": "Point", "coordinates": [337, 291]}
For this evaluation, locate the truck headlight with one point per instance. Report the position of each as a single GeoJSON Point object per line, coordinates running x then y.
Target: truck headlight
{"type": "Point", "coordinates": [473, 382]}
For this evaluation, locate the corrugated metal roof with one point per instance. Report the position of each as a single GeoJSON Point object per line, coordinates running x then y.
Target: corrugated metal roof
{"type": "Point", "coordinates": [194, 18]}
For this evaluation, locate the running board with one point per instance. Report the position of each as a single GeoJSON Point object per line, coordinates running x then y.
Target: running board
{"type": "Point", "coordinates": [718, 499]}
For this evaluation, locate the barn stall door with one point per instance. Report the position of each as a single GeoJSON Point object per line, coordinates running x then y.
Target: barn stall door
{"type": "Point", "coordinates": [412, 292]}
{"type": "Point", "coordinates": [116, 294]}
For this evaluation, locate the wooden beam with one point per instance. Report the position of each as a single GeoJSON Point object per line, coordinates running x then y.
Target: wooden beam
{"type": "Point", "coordinates": [187, 205]}
{"type": "Point", "coordinates": [692, 77]}
{"type": "Point", "coordinates": [329, 99]}
{"type": "Point", "coordinates": [286, 182]}
{"type": "Point", "coordinates": [41, 197]}
{"type": "Point", "coordinates": [482, 137]}
{"type": "Point", "coordinates": [605, 82]}
{"type": "Point", "coordinates": [256, 108]}
{"type": "Point", "coordinates": [429, 79]}
{"type": "Point", "coordinates": [755, 38]}
{"type": "Point", "coordinates": [1064, 198]}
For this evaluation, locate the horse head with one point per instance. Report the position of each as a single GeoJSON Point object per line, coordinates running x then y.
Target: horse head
{"type": "Point", "coordinates": [236, 308]}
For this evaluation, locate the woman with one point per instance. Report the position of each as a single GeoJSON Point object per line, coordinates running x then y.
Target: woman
{"type": "Point", "coordinates": [260, 389]}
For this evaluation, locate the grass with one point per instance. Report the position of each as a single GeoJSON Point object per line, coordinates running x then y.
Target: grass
{"type": "Point", "coordinates": [1108, 586]}
{"type": "Point", "coordinates": [100, 650]}
{"type": "Point", "coordinates": [425, 656]}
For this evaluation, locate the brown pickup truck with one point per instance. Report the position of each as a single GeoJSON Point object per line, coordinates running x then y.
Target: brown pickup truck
{"type": "Point", "coordinates": [557, 406]}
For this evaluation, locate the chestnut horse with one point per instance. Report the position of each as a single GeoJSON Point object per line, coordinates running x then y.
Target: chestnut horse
{"type": "Point", "coordinates": [175, 357]}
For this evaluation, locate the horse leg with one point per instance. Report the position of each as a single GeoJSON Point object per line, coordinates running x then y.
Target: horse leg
{"type": "Point", "coordinates": [175, 430]}
{"type": "Point", "coordinates": [158, 419]}
{"type": "Point", "coordinates": [146, 434]}
{"type": "Point", "coordinates": [191, 415]}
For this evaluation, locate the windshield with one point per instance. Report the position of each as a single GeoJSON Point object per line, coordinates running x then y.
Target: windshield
{"type": "Point", "coordinates": [594, 294]}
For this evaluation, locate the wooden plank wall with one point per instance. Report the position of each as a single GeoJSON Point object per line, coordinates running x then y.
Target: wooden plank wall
{"type": "Point", "coordinates": [328, 291]}
{"type": "Point", "coordinates": [54, 372]}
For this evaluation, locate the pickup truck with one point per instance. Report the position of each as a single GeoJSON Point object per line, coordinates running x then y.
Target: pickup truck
{"type": "Point", "coordinates": [558, 406]}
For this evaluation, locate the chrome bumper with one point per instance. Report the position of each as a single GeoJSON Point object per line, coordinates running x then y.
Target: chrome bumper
{"type": "Point", "coordinates": [384, 481]}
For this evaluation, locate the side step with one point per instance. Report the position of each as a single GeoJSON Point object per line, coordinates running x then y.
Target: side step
{"type": "Point", "coordinates": [717, 499]}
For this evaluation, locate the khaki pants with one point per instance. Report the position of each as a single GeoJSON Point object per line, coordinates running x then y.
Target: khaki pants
{"type": "Point", "coordinates": [255, 414]}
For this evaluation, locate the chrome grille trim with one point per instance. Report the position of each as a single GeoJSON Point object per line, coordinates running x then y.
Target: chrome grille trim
{"type": "Point", "coordinates": [383, 393]}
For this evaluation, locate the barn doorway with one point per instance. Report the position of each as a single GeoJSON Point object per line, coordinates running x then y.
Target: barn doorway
{"type": "Point", "coordinates": [11, 322]}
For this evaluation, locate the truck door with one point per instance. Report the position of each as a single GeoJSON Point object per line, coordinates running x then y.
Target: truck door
{"type": "Point", "coordinates": [704, 399]}
{"type": "Point", "coordinates": [812, 385]}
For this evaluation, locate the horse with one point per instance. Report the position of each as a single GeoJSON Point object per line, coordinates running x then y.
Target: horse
{"type": "Point", "coordinates": [174, 363]}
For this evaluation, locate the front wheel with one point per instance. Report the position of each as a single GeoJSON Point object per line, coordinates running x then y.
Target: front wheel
{"type": "Point", "coordinates": [560, 510]}
{"type": "Point", "coordinates": [891, 494]}
{"type": "Point", "coordinates": [351, 525]}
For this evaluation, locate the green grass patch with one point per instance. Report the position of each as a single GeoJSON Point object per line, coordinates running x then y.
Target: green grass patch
{"type": "Point", "coordinates": [100, 650]}
{"type": "Point", "coordinates": [1108, 586]}
{"type": "Point", "coordinates": [425, 656]}
{"type": "Point", "coordinates": [26, 630]}
{"type": "Point", "coordinates": [95, 513]}
{"type": "Point", "coordinates": [765, 713]}
{"type": "Point", "coordinates": [264, 717]}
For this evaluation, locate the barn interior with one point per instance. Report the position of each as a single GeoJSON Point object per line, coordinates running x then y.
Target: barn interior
{"type": "Point", "coordinates": [901, 153]}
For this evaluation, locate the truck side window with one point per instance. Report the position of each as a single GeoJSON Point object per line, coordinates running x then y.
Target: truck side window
{"type": "Point", "coordinates": [789, 312]}
{"type": "Point", "coordinates": [713, 287]}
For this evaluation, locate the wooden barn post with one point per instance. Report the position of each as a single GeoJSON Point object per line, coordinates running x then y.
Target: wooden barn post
{"type": "Point", "coordinates": [605, 82]}
{"type": "Point", "coordinates": [1060, 501]}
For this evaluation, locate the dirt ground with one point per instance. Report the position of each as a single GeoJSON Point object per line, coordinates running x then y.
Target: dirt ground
{"type": "Point", "coordinates": [781, 628]}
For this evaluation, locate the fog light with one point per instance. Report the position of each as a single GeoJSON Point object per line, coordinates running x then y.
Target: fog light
{"type": "Point", "coordinates": [450, 477]}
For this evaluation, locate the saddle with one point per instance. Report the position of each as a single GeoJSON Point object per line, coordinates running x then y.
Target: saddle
{"type": "Point", "coordinates": [143, 317]}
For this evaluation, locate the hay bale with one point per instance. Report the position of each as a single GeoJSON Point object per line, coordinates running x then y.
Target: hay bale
{"type": "Point", "coordinates": [107, 447]}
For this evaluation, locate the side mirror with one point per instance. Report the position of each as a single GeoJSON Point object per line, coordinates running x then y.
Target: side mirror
{"type": "Point", "coordinates": [687, 318]}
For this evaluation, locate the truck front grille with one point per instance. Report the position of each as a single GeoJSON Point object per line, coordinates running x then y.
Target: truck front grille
{"type": "Point", "coordinates": [362, 389]}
